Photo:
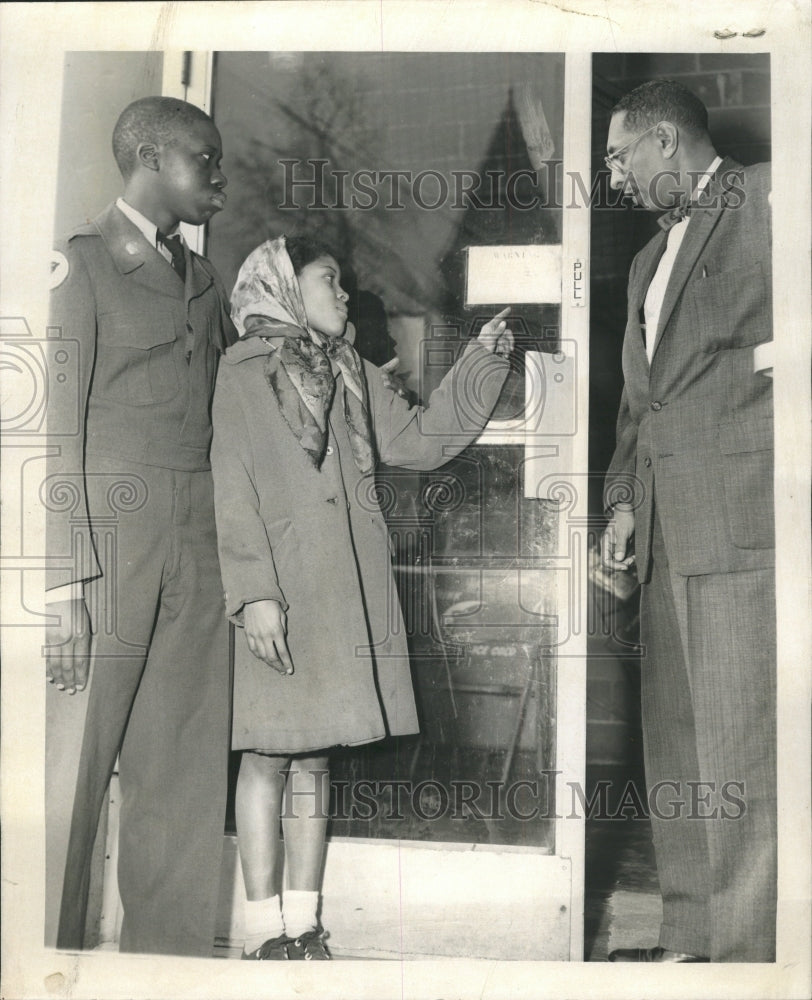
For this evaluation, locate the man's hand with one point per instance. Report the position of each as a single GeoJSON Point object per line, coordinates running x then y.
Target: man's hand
{"type": "Point", "coordinates": [495, 335]}
{"type": "Point", "coordinates": [266, 630]}
{"type": "Point", "coordinates": [616, 545]}
{"type": "Point", "coordinates": [67, 654]}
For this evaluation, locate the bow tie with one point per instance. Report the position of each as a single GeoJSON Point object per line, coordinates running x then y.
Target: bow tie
{"type": "Point", "coordinates": [665, 222]}
{"type": "Point", "coordinates": [175, 247]}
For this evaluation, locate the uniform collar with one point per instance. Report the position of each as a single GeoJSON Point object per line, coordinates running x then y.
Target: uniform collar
{"type": "Point", "coordinates": [134, 254]}
{"type": "Point", "coordinates": [147, 227]}
{"type": "Point", "coordinates": [704, 180]}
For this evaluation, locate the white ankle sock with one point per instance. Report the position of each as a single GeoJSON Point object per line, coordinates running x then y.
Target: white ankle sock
{"type": "Point", "coordinates": [299, 910]}
{"type": "Point", "coordinates": [263, 921]}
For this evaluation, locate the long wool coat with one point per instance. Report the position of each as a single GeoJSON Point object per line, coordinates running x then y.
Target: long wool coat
{"type": "Point", "coordinates": [315, 540]}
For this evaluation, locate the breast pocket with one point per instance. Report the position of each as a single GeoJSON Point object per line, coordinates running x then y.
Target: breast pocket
{"type": "Point", "coordinates": [733, 308]}
{"type": "Point", "coordinates": [136, 358]}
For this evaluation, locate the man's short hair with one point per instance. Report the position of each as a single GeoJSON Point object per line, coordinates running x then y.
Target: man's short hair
{"type": "Point", "coordinates": [663, 101]}
{"type": "Point", "coordinates": [151, 119]}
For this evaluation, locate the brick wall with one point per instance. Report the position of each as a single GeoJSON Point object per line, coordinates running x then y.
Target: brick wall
{"type": "Point", "coordinates": [734, 87]}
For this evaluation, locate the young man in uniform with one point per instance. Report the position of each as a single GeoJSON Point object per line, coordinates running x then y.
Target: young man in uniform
{"type": "Point", "coordinates": [141, 322]}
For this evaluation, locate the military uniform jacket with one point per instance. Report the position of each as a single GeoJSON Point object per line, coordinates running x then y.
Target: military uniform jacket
{"type": "Point", "coordinates": [133, 360]}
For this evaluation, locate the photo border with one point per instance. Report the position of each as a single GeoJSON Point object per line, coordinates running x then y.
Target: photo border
{"type": "Point", "coordinates": [34, 39]}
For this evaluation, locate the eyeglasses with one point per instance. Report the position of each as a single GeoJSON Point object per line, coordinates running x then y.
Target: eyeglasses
{"type": "Point", "coordinates": [612, 161]}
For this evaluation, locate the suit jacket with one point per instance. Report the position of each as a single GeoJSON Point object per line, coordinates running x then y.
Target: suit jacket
{"type": "Point", "coordinates": [695, 430]}
{"type": "Point", "coordinates": [121, 326]}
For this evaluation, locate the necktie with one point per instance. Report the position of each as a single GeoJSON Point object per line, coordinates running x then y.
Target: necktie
{"type": "Point", "coordinates": [174, 246]}
{"type": "Point", "coordinates": [665, 222]}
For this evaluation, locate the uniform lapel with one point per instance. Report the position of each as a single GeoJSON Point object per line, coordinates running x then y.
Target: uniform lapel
{"type": "Point", "coordinates": [198, 278]}
{"type": "Point", "coordinates": [133, 255]}
{"type": "Point", "coordinates": [704, 218]}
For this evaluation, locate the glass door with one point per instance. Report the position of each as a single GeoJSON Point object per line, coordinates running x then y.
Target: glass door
{"type": "Point", "coordinates": [439, 180]}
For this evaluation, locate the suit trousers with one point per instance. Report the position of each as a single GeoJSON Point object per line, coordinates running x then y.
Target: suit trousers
{"type": "Point", "coordinates": [708, 699]}
{"type": "Point", "coordinates": [159, 699]}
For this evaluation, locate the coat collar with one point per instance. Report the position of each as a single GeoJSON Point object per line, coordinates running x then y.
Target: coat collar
{"type": "Point", "coordinates": [132, 254]}
{"type": "Point", "coordinates": [247, 348]}
{"type": "Point", "coordinates": [254, 345]}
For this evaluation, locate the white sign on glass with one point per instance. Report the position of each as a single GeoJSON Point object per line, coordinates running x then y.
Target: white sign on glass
{"type": "Point", "coordinates": [513, 274]}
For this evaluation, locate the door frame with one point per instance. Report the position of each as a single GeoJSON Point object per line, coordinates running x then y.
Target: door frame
{"type": "Point", "coordinates": [190, 76]}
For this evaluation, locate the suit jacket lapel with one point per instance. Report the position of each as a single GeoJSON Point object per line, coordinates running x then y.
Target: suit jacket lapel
{"type": "Point", "coordinates": [646, 268]}
{"type": "Point", "coordinates": [704, 218]}
{"type": "Point", "coordinates": [133, 255]}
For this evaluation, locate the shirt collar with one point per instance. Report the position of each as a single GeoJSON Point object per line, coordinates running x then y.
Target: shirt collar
{"type": "Point", "coordinates": [704, 180]}
{"type": "Point", "coordinates": [149, 229]}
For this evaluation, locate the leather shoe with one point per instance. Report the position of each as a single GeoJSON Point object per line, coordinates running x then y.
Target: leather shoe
{"type": "Point", "coordinates": [657, 954]}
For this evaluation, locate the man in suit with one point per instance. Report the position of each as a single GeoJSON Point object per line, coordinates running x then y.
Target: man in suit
{"type": "Point", "coordinates": [141, 322]}
{"type": "Point", "coordinates": [690, 489]}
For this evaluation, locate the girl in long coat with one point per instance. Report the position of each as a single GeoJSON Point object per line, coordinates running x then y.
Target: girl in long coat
{"type": "Point", "coordinates": [321, 658]}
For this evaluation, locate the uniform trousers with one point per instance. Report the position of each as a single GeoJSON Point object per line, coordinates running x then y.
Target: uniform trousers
{"type": "Point", "coordinates": [708, 700]}
{"type": "Point", "coordinates": [159, 699]}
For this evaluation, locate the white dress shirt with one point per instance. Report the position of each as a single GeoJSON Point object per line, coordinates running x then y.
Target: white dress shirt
{"type": "Point", "coordinates": [659, 283]}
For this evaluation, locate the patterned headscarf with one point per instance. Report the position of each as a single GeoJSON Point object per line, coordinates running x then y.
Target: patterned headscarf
{"type": "Point", "coordinates": [267, 302]}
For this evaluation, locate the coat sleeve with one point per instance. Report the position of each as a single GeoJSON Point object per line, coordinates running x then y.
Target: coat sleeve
{"type": "Point", "coordinates": [246, 560]}
{"type": "Point", "coordinates": [620, 488]}
{"type": "Point", "coordinates": [427, 437]}
{"type": "Point", "coordinates": [71, 351]}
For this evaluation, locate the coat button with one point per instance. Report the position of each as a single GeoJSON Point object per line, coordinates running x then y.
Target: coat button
{"type": "Point", "coordinates": [656, 406]}
{"type": "Point", "coordinates": [331, 500]}
{"type": "Point", "coordinates": [328, 450]}
{"type": "Point", "coordinates": [647, 463]}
